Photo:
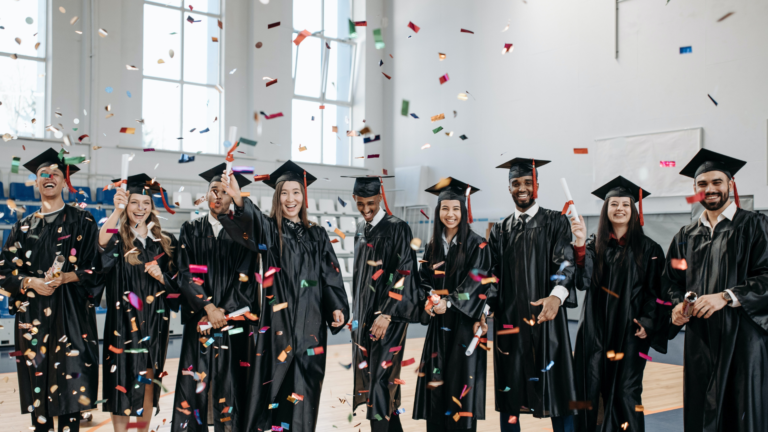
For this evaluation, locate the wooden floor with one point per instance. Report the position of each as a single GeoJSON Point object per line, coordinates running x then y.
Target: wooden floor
{"type": "Point", "coordinates": [663, 391]}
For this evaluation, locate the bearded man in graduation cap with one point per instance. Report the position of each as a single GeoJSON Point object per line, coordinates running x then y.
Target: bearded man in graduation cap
{"type": "Point", "coordinates": [386, 298]}
{"type": "Point", "coordinates": [716, 276]}
{"type": "Point", "coordinates": [533, 259]}
{"type": "Point", "coordinates": [57, 346]}
{"type": "Point", "coordinates": [213, 366]}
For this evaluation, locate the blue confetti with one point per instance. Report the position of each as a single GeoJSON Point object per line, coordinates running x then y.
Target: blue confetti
{"type": "Point", "coordinates": [414, 115]}
{"type": "Point", "coordinates": [549, 366]}
{"type": "Point", "coordinates": [343, 204]}
{"type": "Point", "coordinates": [129, 95]}
{"type": "Point", "coordinates": [285, 426]}
{"type": "Point", "coordinates": [400, 411]}
{"type": "Point", "coordinates": [226, 144]}
{"type": "Point", "coordinates": [445, 328]}
{"type": "Point", "coordinates": [556, 277]}
{"type": "Point", "coordinates": [354, 325]}
{"type": "Point", "coordinates": [329, 224]}
{"type": "Point", "coordinates": [109, 89]}
{"type": "Point", "coordinates": [139, 411]}
{"type": "Point", "coordinates": [507, 389]}
{"type": "Point", "coordinates": [564, 264]}
{"type": "Point", "coordinates": [313, 118]}
{"type": "Point", "coordinates": [144, 380]}
{"type": "Point", "coordinates": [262, 247]}
{"type": "Point", "coordinates": [447, 413]}
{"type": "Point", "coordinates": [686, 50]}
{"type": "Point", "coordinates": [197, 416]}
{"type": "Point", "coordinates": [533, 379]}
{"type": "Point", "coordinates": [370, 140]}
{"type": "Point", "coordinates": [185, 158]}
{"type": "Point", "coordinates": [204, 130]}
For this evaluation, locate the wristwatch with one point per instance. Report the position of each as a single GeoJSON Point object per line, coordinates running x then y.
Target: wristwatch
{"type": "Point", "coordinates": [727, 297]}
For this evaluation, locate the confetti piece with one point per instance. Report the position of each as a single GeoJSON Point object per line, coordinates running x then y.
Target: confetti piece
{"type": "Point", "coordinates": [378, 274]}
{"type": "Point", "coordinates": [185, 158]}
{"type": "Point", "coordinates": [413, 27]}
{"type": "Point", "coordinates": [361, 23]}
{"type": "Point", "coordinates": [363, 365]}
{"type": "Point", "coordinates": [373, 156]}
{"type": "Point", "coordinates": [467, 31]}
{"type": "Point", "coordinates": [721, 19]}
{"type": "Point", "coordinates": [130, 131]}
{"type": "Point", "coordinates": [712, 99]}
{"type": "Point", "coordinates": [273, 25]}
{"type": "Point", "coordinates": [196, 268]}
{"type": "Point", "coordinates": [379, 40]}
{"type": "Point", "coordinates": [301, 36]}
{"type": "Point", "coordinates": [424, 147]}
{"type": "Point", "coordinates": [271, 116]}
{"type": "Point", "coordinates": [662, 302]}
{"type": "Point", "coordinates": [646, 356]}
{"type": "Point", "coordinates": [416, 243]}
{"type": "Point", "coordinates": [279, 307]}
{"type": "Point", "coordinates": [370, 140]}
{"type": "Point", "coordinates": [440, 116]}
{"type": "Point", "coordinates": [135, 301]}
{"type": "Point", "coordinates": [610, 292]}
{"type": "Point", "coordinates": [515, 330]}
{"type": "Point", "coordinates": [315, 351]}
{"type": "Point", "coordinates": [639, 408]}
{"type": "Point", "coordinates": [667, 164]}
{"type": "Point", "coordinates": [686, 50]}
{"type": "Point", "coordinates": [444, 79]}
{"type": "Point", "coordinates": [388, 77]}
{"type": "Point", "coordinates": [695, 198]}
{"type": "Point", "coordinates": [508, 47]}
{"type": "Point", "coordinates": [679, 264]}
{"type": "Point", "coordinates": [581, 151]}
{"type": "Point", "coordinates": [396, 296]}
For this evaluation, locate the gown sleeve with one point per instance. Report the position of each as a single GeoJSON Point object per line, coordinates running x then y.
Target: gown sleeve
{"type": "Point", "coordinates": [87, 254]}
{"type": "Point", "coordinates": [753, 292]}
{"type": "Point", "coordinates": [334, 294]}
{"type": "Point", "coordinates": [653, 316]}
{"type": "Point", "coordinates": [563, 251]}
{"type": "Point", "coordinates": [12, 282]}
{"type": "Point", "coordinates": [108, 255]}
{"type": "Point", "coordinates": [673, 280]}
{"type": "Point", "coordinates": [171, 273]}
{"type": "Point", "coordinates": [495, 249]}
{"type": "Point", "coordinates": [191, 291]}
{"type": "Point", "coordinates": [582, 279]}
{"type": "Point", "coordinates": [402, 303]}
{"type": "Point", "coordinates": [467, 296]}
{"type": "Point", "coordinates": [246, 225]}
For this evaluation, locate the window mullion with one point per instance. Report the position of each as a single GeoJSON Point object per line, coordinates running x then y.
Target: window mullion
{"type": "Point", "coordinates": [181, 90]}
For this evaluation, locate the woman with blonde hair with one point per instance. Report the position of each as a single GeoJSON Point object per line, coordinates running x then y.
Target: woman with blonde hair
{"type": "Point", "coordinates": [137, 261]}
{"type": "Point", "coordinates": [302, 295]}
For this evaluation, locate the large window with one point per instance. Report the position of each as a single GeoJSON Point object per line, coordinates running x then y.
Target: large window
{"type": "Point", "coordinates": [181, 75]}
{"type": "Point", "coordinates": [322, 77]}
{"type": "Point", "coordinates": [22, 68]}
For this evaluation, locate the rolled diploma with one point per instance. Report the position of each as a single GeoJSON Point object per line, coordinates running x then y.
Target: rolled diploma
{"type": "Point", "coordinates": [239, 312]}
{"type": "Point", "coordinates": [475, 340]}
{"type": "Point", "coordinates": [124, 174]}
{"type": "Point", "coordinates": [58, 264]}
{"type": "Point", "coordinates": [574, 213]}
{"type": "Point", "coordinates": [690, 299]}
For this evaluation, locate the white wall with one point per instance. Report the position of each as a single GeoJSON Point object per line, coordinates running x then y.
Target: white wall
{"type": "Point", "coordinates": [561, 87]}
{"type": "Point", "coordinates": [76, 84]}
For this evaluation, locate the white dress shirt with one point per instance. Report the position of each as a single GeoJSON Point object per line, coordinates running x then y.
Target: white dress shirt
{"type": "Point", "coordinates": [378, 217]}
{"type": "Point", "coordinates": [558, 291]}
{"type": "Point", "coordinates": [447, 246]}
{"type": "Point", "coordinates": [215, 224]}
{"type": "Point", "coordinates": [728, 213]}
{"type": "Point", "coordinates": [143, 240]}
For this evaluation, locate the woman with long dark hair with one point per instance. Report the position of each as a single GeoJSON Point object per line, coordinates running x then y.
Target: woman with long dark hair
{"type": "Point", "coordinates": [620, 270]}
{"type": "Point", "coordinates": [139, 269]}
{"type": "Point", "coordinates": [302, 295]}
{"type": "Point", "coordinates": [450, 392]}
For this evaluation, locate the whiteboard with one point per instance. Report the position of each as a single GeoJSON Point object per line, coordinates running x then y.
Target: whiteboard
{"type": "Point", "coordinates": [639, 159]}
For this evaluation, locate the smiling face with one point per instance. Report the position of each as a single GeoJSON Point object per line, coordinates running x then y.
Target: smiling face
{"type": "Point", "coordinates": [716, 187]}
{"type": "Point", "coordinates": [50, 181]}
{"type": "Point", "coordinates": [368, 207]}
{"type": "Point", "coordinates": [291, 199]}
{"type": "Point", "coordinates": [619, 210]}
{"type": "Point", "coordinates": [521, 189]}
{"type": "Point", "coordinates": [218, 200]}
{"type": "Point", "coordinates": [450, 213]}
{"type": "Point", "coordinates": [139, 208]}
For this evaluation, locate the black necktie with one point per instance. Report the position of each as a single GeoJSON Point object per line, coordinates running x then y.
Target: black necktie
{"type": "Point", "coordinates": [523, 220]}
{"type": "Point", "coordinates": [368, 228]}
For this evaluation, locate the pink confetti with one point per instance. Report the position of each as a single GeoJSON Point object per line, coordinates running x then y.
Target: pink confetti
{"type": "Point", "coordinates": [271, 271]}
{"type": "Point", "coordinates": [509, 326]}
{"type": "Point", "coordinates": [197, 268]}
{"type": "Point", "coordinates": [258, 277]}
{"type": "Point", "coordinates": [646, 356]}
{"type": "Point", "coordinates": [173, 296]}
{"type": "Point", "coordinates": [135, 301]}
{"type": "Point", "coordinates": [244, 364]}
{"type": "Point", "coordinates": [662, 302]}
{"type": "Point", "coordinates": [111, 230]}
{"type": "Point", "coordinates": [73, 252]}
{"type": "Point", "coordinates": [395, 349]}
{"type": "Point", "coordinates": [667, 164]}
{"type": "Point", "coordinates": [64, 238]}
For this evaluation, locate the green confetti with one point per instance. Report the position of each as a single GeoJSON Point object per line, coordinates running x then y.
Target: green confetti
{"type": "Point", "coordinates": [234, 331]}
{"type": "Point", "coordinates": [308, 283]}
{"type": "Point", "coordinates": [248, 142]}
{"type": "Point", "coordinates": [273, 301]}
{"type": "Point", "coordinates": [379, 40]}
{"type": "Point", "coordinates": [349, 418]}
{"type": "Point", "coordinates": [100, 401]}
{"type": "Point", "coordinates": [161, 311]}
{"type": "Point", "coordinates": [372, 288]}
{"type": "Point", "coordinates": [378, 417]}
{"type": "Point", "coordinates": [156, 382]}
{"type": "Point", "coordinates": [436, 371]}
{"type": "Point", "coordinates": [352, 30]}
{"type": "Point", "coordinates": [15, 164]}
{"type": "Point", "coordinates": [438, 129]}
{"type": "Point", "coordinates": [136, 351]}
{"type": "Point", "coordinates": [390, 277]}
{"type": "Point", "coordinates": [404, 110]}
{"type": "Point", "coordinates": [74, 160]}
{"type": "Point", "coordinates": [463, 296]}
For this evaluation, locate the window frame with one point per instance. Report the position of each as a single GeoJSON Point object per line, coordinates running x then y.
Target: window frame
{"type": "Point", "coordinates": [324, 81]}
{"type": "Point", "coordinates": [220, 150]}
{"type": "Point", "coordinates": [47, 66]}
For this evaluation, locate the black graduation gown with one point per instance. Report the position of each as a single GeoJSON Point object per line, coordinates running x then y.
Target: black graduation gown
{"type": "Point", "coordinates": [448, 336]}
{"type": "Point", "coordinates": [65, 346]}
{"type": "Point", "coordinates": [607, 324]}
{"type": "Point", "coordinates": [390, 242]}
{"type": "Point", "coordinates": [126, 326]}
{"type": "Point", "coordinates": [725, 387]}
{"type": "Point", "coordinates": [524, 261]}
{"type": "Point", "coordinates": [221, 361]}
{"type": "Point", "coordinates": [310, 283]}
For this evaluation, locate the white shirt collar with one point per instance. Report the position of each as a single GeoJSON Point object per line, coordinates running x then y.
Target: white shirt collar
{"type": "Point", "coordinates": [143, 240]}
{"type": "Point", "coordinates": [728, 213]}
{"type": "Point", "coordinates": [215, 224]}
{"type": "Point", "coordinates": [531, 212]}
{"type": "Point", "coordinates": [378, 217]}
{"type": "Point", "coordinates": [447, 246]}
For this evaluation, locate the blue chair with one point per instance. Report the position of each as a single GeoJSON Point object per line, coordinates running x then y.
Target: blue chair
{"type": "Point", "coordinates": [159, 201]}
{"type": "Point", "coordinates": [20, 191]}
{"type": "Point", "coordinates": [97, 214]}
{"type": "Point", "coordinates": [105, 197]}
{"type": "Point", "coordinates": [30, 209]}
{"type": "Point", "coordinates": [80, 197]}
{"type": "Point", "coordinates": [7, 218]}
{"type": "Point", "coordinates": [100, 310]}
{"type": "Point", "coordinates": [4, 308]}
{"type": "Point", "coordinates": [2, 191]}
{"type": "Point", "coordinates": [6, 234]}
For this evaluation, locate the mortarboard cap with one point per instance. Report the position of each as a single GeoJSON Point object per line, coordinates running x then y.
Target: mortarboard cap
{"type": "Point", "coordinates": [621, 187]}
{"type": "Point", "coordinates": [707, 160]}
{"type": "Point", "coordinates": [214, 175]}
{"type": "Point", "coordinates": [522, 167]}
{"type": "Point", "coordinates": [367, 186]}
{"type": "Point", "coordinates": [451, 189]}
{"type": "Point", "coordinates": [144, 185]}
{"type": "Point", "coordinates": [48, 158]}
{"type": "Point", "coordinates": [289, 171]}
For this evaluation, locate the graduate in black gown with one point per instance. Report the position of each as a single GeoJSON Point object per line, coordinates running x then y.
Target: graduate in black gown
{"type": "Point", "coordinates": [381, 311]}
{"type": "Point", "coordinates": [721, 258]}
{"type": "Point", "coordinates": [139, 271]}
{"type": "Point", "coordinates": [56, 343]}
{"type": "Point", "coordinates": [620, 270]}
{"type": "Point", "coordinates": [533, 368]}
{"type": "Point", "coordinates": [456, 274]}
{"type": "Point", "coordinates": [210, 387]}
{"type": "Point", "coordinates": [302, 296]}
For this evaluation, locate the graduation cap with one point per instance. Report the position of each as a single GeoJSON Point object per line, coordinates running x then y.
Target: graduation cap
{"type": "Point", "coordinates": [143, 184]}
{"type": "Point", "coordinates": [214, 175]}
{"type": "Point", "coordinates": [52, 157]}
{"type": "Point", "coordinates": [289, 171]}
{"type": "Point", "coordinates": [451, 189]}
{"type": "Point", "coordinates": [621, 187]}
{"type": "Point", "coordinates": [707, 160]}
{"type": "Point", "coordinates": [522, 167]}
{"type": "Point", "coordinates": [367, 186]}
